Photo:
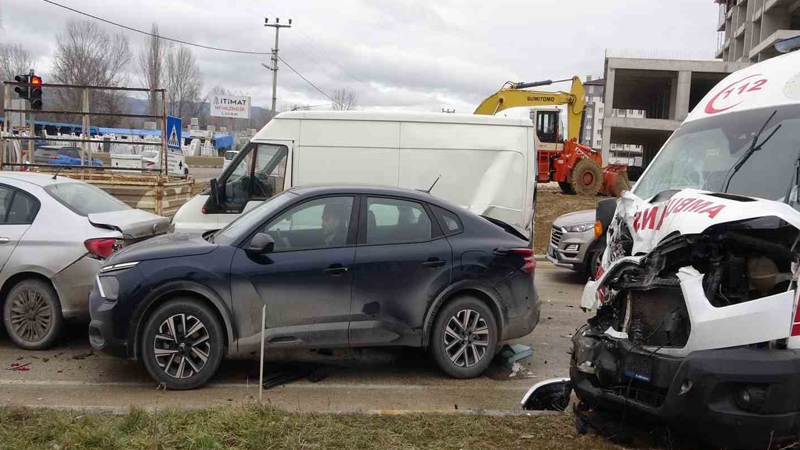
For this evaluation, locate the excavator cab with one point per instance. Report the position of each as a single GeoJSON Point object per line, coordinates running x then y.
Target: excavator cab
{"type": "Point", "coordinates": [548, 126]}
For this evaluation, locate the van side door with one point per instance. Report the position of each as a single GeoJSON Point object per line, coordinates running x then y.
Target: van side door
{"type": "Point", "coordinates": [256, 174]}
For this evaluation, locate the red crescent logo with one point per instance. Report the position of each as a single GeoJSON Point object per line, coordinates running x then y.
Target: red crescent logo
{"type": "Point", "coordinates": [711, 109]}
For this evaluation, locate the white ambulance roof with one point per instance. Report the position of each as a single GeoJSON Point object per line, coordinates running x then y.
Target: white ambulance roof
{"type": "Point", "coordinates": [774, 82]}
{"type": "Point", "coordinates": [406, 117]}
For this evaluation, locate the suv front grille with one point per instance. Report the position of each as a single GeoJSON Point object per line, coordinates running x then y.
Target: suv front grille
{"type": "Point", "coordinates": [555, 236]}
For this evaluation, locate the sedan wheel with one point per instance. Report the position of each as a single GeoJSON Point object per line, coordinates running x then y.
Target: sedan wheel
{"type": "Point", "coordinates": [182, 344]}
{"type": "Point", "coordinates": [32, 315]}
{"type": "Point", "coordinates": [464, 337]}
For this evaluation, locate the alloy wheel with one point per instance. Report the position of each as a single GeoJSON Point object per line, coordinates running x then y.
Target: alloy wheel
{"type": "Point", "coordinates": [466, 338]}
{"type": "Point", "coordinates": [31, 315]}
{"type": "Point", "coordinates": [182, 346]}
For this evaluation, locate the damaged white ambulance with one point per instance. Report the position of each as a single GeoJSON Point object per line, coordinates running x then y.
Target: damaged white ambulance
{"type": "Point", "coordinates": [697, 309]}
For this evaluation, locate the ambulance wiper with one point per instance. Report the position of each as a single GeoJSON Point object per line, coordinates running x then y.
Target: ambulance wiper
{"type": "Point", "coordinates": [753, 148]}
{"type": "Point", "coordinates": [794, 181]}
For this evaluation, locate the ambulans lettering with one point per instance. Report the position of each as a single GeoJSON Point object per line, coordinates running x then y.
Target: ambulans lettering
{"type": "Point", "coordinates": [653, 218]}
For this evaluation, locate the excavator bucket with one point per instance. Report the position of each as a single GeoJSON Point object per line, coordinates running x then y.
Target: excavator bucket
{"type": "Point", "coordinates": [615, 180]}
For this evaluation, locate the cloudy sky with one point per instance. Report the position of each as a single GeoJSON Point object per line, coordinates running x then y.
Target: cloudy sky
{"type": "Point", "coordinates": [420, 55]}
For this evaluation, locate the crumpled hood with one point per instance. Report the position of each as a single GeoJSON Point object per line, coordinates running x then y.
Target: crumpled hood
{"type": "Point", "coordinates": [692, 211]}
{"type": "Point", "coordinates": [166, 246]}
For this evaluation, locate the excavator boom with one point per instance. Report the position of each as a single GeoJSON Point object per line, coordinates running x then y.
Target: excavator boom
{"type": "Point", "coordinates": [513, 95]}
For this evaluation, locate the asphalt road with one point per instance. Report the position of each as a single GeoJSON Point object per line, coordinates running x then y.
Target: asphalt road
{"type": "Point", "coordinates": [368, 380]}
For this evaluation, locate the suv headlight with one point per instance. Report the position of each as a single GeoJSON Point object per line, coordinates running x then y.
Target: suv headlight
{"type": "Point", "coordinates": [580, 228]}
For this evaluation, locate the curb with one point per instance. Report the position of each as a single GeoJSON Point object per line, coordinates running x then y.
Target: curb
{"type": "Point", "coordinates": [540, 257]}
{"type": "Point", "coordinates": [123, 410]}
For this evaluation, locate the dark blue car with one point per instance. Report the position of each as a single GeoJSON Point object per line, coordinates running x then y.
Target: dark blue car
{"type": "Point", "coordinates": [336, 266]}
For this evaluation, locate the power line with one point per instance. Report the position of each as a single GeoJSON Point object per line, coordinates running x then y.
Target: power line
{"type": "Point", "coordinates": [306, 79]}
{"type": "Point", "coordinates": [310, 41]}
{"type": "Point", "coordinates": [207, 47]}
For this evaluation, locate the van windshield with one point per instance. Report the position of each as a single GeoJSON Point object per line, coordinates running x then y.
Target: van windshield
{"type": "Point", "coordinates": [700, 154]}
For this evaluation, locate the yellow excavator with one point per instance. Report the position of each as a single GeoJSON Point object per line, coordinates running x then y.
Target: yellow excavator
{"type": "Point", "coordinates": [577, 168]}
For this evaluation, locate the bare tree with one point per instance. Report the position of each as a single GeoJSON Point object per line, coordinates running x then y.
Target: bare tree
{"type": "Point", "coordinates": [184, 83]}
{"type": "Point", "coordinates": [14, 60]}
{"type": "Point", "coordinates": [151, 68]}
{"type": "Point", "coordinates": [344, 100]}
{"type": "Point", "coordinates": [87, 55]}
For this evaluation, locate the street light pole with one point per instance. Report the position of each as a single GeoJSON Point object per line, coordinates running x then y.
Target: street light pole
{"type": "Point", "coordinates": [277, 25]}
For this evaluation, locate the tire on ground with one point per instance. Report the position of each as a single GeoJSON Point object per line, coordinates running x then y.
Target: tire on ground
{"type": "Point", "coordinates": [483, 337]}
{"type": "Point", "coordinates": [42, 328]}
{"type": "Point", "coordinates": [182, 360]}
{"type": "Point", "coordinates": [592, 264]}
{"type": "Point", "coordinates": [565, 187]}
{"type": "Point", "coordinates": [586, 177]}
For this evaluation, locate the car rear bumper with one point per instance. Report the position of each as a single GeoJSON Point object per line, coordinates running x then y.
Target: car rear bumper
{"type": "Point", "coordinates": [74, 284]}
{"type": "Point", "coordinates": [523, 304]}
{"type": "Point", "coordinates": [698, 393]}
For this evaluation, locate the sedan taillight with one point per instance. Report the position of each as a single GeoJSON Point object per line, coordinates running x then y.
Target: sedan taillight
{"type": "Point", "coordinates": [102, 248]}
{"type": "Point", "coordinates": [527, 256]}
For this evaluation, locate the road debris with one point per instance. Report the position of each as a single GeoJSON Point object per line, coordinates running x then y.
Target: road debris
{"type": "Point", "coordinates": [84, 355]}
{"type": "Point", "coordinates": [516, 352]}
{"type": "Point", "coordinates": [293, 372]}
{"type": "Point", "coordinates": [17, 367]}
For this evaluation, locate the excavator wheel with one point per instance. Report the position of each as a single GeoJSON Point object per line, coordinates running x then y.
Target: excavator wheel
{"type": "Point", "coordinates": [565, 187]}
{"type": "Point", "coordinates": [586, 177]}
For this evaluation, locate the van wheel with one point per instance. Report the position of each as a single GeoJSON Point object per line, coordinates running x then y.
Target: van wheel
{"type": "Point", "coordinates": [593, 263]}
{"type": "Point", "coordinates": [32, 315]}
{"type": "Point", "coordinates": [464, 338]}
{"type": "Point", "coordinates": [182, 344]}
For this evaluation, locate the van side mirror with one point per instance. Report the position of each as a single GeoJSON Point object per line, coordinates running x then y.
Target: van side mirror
{"type": "Point", "coordinates": [604, 212]}
{"type": "Point", "coordinates": [261, 243]}
{"type": "Point", "coordinates": [212, 184]}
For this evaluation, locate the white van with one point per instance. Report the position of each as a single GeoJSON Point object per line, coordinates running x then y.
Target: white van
{"type": "Point", "coordinates": [484, 163]}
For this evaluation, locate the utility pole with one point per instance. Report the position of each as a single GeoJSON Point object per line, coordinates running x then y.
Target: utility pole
{"type": "Point", "coordinates": [277, 25]}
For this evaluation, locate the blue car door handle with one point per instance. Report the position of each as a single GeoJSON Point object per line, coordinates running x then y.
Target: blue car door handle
{"type": "Point", "coordinates": [335, 270]}
{"type": "Point", "coordinates": [434, 262]}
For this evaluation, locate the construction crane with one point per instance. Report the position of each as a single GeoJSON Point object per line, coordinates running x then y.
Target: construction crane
{"type": "Point", "coordinates": [577, 168]}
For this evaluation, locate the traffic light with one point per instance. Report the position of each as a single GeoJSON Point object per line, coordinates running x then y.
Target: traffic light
{"type": "Point", "coordinates": [22, 90]}
{"type": "Point", "coordinates": [35, 93]}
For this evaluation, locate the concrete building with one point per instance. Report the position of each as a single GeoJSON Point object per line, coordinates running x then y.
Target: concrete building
{"type": "Point", "coordinates": [748, 29]}
{"type": "Point", "coordinates": [665, 89]}
{"type": "Point", "coordinates": [593, 125]}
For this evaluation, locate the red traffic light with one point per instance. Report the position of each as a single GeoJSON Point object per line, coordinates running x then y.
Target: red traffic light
{"type": "Point", "coordinates": [36, 81]}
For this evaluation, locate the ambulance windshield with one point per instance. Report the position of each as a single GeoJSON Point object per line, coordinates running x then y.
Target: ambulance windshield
{"type": "Point", "coordinates": [701, 154]}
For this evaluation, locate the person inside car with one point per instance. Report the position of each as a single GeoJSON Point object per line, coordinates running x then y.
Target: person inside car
{"type": "Point", "coordinates": [334, 218]}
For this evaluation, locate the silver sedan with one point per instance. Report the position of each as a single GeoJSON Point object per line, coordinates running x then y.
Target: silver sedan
{"type": "Point", "coordinates": [55, 233]}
